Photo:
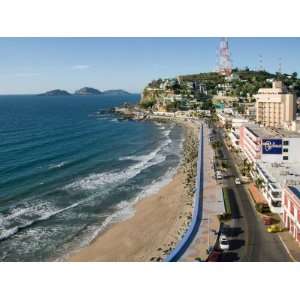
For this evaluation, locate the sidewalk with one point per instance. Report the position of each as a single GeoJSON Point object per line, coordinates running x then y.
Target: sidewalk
{"type": "Point", "coordinates": [291, 246]}
{"type": "Point", "coordinates": [212, 206]}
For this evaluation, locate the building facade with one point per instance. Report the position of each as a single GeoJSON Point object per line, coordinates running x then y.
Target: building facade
{"type": "Point", "coordinates": [275, 106]}
{"type": "Point", "coordinates": [291, 210]}
{"type": "Point", "coordinates": [267, 145]}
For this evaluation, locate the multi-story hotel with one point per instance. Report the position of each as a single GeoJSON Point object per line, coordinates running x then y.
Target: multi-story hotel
{"type": "Point", "coordinates": [275, 106]}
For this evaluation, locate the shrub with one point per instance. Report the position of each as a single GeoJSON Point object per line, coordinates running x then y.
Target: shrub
{"type": "Point", "coordinates": [226, 201]}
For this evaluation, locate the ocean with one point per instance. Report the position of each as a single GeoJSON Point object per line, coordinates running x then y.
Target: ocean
{"type": "Point", "coordinates": [69, 169]}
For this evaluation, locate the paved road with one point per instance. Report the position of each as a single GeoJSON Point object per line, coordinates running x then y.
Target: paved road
{"type": "Point", "coordinates": [249, 239]}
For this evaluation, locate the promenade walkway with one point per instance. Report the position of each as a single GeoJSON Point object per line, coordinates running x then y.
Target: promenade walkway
{"type": "Point", "coordinates": [212, 206]}
{"type": "Point", "coordinates": [208, 204]}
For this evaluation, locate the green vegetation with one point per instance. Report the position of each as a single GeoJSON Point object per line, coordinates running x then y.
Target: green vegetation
{"type": "Point", "coordinates": [226, 197]}
{"type": "Point", "coordinates": [147, 103]}
{"type": "Point", "coordinates": [198, 91]}
{"type": "Point", "coordinates": [259, 183]}
{"type": "Point", "coordinates": [262, 208]}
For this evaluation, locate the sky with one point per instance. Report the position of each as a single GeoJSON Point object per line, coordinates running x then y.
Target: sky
{"type": "Point", "coordinates": [35, 65]}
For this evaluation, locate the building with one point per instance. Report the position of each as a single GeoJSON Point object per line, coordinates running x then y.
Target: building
{"type": "Point", "coordinates": [269, 145]}
{"type": "Point", "coordinates": [274, 155]}
{"type": "Point", "coordinates": [275, 176]}
{"type": "Point", "coordinates": [275, 106]}
{"type": "Point", "coordinates": [291, 210]}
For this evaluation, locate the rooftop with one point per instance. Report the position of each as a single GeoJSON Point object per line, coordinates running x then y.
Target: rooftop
{"type": "Point", "coordinates": [264, 132]}
{"type": "Point", "coordinates": [281, 173]}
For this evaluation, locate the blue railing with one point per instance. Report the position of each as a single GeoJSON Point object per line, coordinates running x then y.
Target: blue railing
{"type": "Point", "coordinates": [197, 212]}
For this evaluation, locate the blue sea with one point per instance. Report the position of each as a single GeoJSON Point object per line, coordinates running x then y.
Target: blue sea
{"type": "Point", "coordinates": [69, 169]}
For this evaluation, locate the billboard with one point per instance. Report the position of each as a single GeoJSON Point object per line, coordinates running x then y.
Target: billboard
{"type": "Point", "coordinates": [272, 146]}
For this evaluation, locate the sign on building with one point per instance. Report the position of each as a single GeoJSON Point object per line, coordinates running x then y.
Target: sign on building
{"type": "Point", "coordinates": [272, 146]}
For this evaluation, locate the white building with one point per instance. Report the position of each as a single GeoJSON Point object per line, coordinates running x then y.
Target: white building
{"type": "Point", "coordinates": [276, 160]}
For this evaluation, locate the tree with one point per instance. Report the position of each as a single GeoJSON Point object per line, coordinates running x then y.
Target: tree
{"type": "Point", "coordinates": [294, 75]}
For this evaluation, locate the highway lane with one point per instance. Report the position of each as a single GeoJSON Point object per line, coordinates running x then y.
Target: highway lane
{"type": "Point", "coordinates": [249, 239]}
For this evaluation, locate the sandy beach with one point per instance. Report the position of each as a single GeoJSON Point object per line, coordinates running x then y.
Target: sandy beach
{"type": "Point", "coordinates": [158, 223]}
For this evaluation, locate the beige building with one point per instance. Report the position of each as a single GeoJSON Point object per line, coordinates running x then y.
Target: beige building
{"type": "Point", "coordinates": [275, 106]}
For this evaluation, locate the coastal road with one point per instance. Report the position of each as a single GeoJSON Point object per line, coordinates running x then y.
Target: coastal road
{"type": "Point", "coordinates": [249, 239]}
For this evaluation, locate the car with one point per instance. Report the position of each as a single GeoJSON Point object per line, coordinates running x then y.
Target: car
{"type": "Point", "coordinates": [224, 243]}
{"type": "Point", "coordinates": [237, 181]}
{"type": "Point", "coordinates": [219, 175]}
{"type": "Point", "coordinates": [275, 228]}
{"type": "Point", "coordinates": [267, 220]}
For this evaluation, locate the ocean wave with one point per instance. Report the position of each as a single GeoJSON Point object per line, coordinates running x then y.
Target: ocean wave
{"type": "Point", "coordinates": [126, 209]}
{"type": "Point", "coordinates": [56, 166]}
{"type": "Point", "coordinates": [94, 181]}
{"type": "Point", "coordinates": [29, 212]}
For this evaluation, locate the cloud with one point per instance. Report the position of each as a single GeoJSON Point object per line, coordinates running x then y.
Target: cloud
{"type": "Point", "coordinates": [80, 67]}
{"type": "Point", "coordinates": [26, 74]}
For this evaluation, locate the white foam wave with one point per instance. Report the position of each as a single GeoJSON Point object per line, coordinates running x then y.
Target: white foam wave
{"type": "Point", "coordinates": [56, 166]}
{"type": "Point", "coordinates": [126, 209]}
{"type": "Point", "coordinates": [40, 215]}
{"type": "Point", "coordinates": [94, 181]}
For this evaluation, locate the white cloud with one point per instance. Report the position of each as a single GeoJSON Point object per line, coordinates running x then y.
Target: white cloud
{"type": "Point", "coordinates": [80, 67]}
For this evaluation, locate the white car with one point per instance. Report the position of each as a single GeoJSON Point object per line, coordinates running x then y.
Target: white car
{"type": "Point", "coordinates": [219, 175]}
{"type": "Point", "coordinates": [237, 181]}
{"type": "Point", "coordinates": [224, 243]}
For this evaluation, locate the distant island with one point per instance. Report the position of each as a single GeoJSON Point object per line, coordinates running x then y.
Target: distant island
{"type": "Point", "coordinates": [86, 91]}
{"type": "Point", "coordinates": [56, 92]}
{"type": "Point", "coordinates": [116, 92]}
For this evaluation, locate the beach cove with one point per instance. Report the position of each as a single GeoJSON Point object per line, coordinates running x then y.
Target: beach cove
{"type": "Point", "coordinates": [157, 225]}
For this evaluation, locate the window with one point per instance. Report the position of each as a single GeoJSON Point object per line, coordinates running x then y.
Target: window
{"type": "Point", "coordinates": [291, 208]}
{"type": "Point", "coordinates": [285, 158]}
{"type": "Point", "coordinates": [285, 143]}
{"type": "Point", "coordinates": [285, 150]}
{"type": "Point", "coordinates": [286, 202]}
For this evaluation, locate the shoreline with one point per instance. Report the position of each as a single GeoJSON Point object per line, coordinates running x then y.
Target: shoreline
{"type": "Point", "coordinates": [158, 223]}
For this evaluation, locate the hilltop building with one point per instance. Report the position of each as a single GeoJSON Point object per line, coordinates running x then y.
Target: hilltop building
{"type": "Point", "coordinates": [275, 106]}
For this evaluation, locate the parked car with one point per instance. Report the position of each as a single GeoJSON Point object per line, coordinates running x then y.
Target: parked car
{"type": "Point", "coordinates": [224, 243]}
{"type": "Point", "coordinates": [219, 175]}
{"type": "Point", "coordinates": [274, 228]}
{"type": "Point", "coordinates": [267, 220]}
{"type": "Point", "coordinates": [237, 180]}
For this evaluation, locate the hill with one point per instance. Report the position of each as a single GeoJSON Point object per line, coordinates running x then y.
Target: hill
{"type": "Point", "coordinates": [116, 92]}
{"type": "Point", "coordinates": [56, 92]}
{"type": "Point", "coordinates": [87, 91]}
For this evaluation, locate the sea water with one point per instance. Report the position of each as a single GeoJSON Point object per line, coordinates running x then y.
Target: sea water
{"type": "Point", "coordinates": [69, 168]}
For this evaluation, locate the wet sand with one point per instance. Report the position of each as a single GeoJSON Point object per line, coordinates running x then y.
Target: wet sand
{"type": "Point", "coordinates": [158, 223]}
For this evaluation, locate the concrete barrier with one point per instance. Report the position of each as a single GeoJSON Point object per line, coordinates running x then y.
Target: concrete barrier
{"type": "Point", "coordinates": [188, 237]}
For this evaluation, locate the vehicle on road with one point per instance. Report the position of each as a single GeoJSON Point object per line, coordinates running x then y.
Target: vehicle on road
{"type": "Point", "coordinates": [275, 228]}
{"type": "Point", "coordinates": [237, 180]}
{"type": "Point", "coordinates": [219, 175]}
{"type": "Point", "coordinates": [267, 220]}
{"type": "Point", "coordinates": [224, 243]}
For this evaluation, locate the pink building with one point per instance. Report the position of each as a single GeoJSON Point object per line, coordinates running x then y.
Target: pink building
{"type": "Point", "coordinates": [291, 210]}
